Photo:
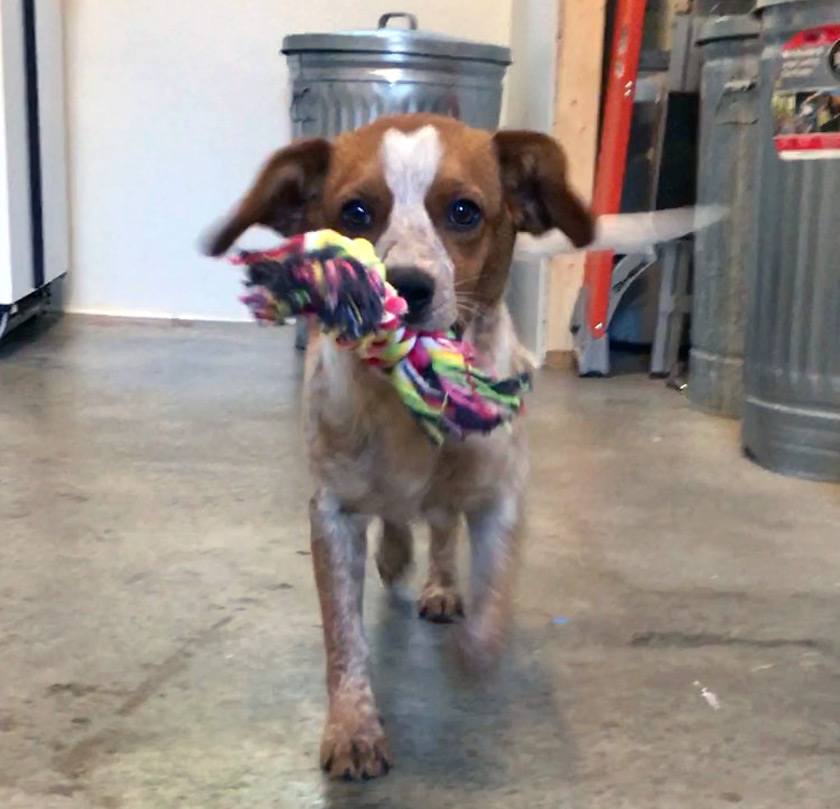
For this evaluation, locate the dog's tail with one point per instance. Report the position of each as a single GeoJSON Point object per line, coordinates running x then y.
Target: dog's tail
{"type": "Point", "coordinates": [625, 233]}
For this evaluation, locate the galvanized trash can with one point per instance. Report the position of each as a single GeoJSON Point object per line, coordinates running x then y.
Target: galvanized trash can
{"type": "Point", "coordinates": [345, 80]}
{"type": "Point", "coordinates": [792, 370]}
{"type": "Point", "coordinates": [726, 171]}
{"type": "Point", "coordinates": [342, 81]}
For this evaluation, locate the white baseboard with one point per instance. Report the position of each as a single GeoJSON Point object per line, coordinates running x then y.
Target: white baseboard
{"type": "Point", "coordinates": [140, 314]}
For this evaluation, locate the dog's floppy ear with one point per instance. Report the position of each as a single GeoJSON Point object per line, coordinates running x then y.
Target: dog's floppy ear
{"type": "Point", "coordinates": [533, 170]}
{"type": "Point", "coordinates": [280, 197]}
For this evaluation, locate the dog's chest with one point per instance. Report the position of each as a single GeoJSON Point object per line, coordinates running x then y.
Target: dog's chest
{"type": "Point", "coordinates": [368, 450]}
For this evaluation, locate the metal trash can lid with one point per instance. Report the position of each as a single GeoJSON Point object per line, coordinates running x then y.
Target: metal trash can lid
{"type": "Point", "coordinates": [408, 41]}
{"type": "Point", "coordinates": [736, 26]}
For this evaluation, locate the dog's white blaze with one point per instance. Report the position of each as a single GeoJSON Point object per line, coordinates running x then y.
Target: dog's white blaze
{"type": "Point", "coordinates": [410, 162]}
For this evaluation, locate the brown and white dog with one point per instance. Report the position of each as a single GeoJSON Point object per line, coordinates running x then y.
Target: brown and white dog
{"type": "Point", "coordinates": [443, 204]}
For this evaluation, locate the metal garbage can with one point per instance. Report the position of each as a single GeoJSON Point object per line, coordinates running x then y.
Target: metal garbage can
{"type": "Point", "coordinates": [726, 171]}
{"type": "Point", "coordinates": [792, 368]}
{"type": "Point", "coordinates": [342, 81]}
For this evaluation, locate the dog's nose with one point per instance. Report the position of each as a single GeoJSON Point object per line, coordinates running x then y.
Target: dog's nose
{"type": "Point", "coordinates": [416, 287]}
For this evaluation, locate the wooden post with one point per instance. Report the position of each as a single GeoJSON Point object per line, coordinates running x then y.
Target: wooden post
{"type": "Point", "coordinates": [580, 51]}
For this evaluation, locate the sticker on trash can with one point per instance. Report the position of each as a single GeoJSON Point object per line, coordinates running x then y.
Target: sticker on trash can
{"type": "Point", "coordinates": [806, 98]}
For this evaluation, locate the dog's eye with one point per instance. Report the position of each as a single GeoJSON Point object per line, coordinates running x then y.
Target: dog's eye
{"type": "Point", "coordinates": [464, 214]}
{"type": "Point", "coordinates": [356, 215]}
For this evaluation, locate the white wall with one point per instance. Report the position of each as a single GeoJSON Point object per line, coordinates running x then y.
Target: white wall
{"type": "Point", "coordinates": [530, 105]}
{"type": "Point", "coordinates": [172, 105]}
{"type": "Point", "coordinates": [530, 84]}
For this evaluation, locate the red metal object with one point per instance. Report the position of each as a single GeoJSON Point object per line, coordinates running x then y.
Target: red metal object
{"type": "Point", "coordinates": [612, 152]}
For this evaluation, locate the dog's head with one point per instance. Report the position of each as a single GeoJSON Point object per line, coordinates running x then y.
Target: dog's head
{"type": "Point", "coordinates": [442, 203]}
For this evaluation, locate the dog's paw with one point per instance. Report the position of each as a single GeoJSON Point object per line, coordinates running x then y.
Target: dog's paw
{"type": "Point", "coordinates": [355, 748]}
{"type": "Point", "coordinates": [439, 604]}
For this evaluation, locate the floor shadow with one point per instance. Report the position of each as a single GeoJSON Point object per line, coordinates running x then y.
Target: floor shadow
{"type": "Point", "coordinates": [451, 733]}
{"type": "Point", "coordinates": [27, 333]}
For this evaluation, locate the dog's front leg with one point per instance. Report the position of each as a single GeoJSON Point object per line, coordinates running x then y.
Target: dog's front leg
{"type": "Point", "coordinates": [354, 743]}
{"type": "Point", "coordinates": [495, 530]}
{"type": "Point", "coordinates": [440, 601]}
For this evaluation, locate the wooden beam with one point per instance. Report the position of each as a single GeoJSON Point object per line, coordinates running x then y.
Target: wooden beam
{"type": "Point", "coordinates": [577, 105]}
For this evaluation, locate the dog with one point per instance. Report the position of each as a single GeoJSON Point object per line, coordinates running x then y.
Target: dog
{"type": "Point", "coordinates": [443, 204]}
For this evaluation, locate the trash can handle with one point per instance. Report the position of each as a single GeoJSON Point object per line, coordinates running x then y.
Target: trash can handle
{"type": "Point", "coordinates": [394, 15]}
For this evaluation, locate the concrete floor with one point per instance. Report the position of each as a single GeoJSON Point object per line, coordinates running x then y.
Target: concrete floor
{"type": "Point", "coordinates": [159, 638]}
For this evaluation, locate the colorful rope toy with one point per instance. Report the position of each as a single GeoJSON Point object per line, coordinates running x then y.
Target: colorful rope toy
{"type": "Point", "coordinates": [342, 283]}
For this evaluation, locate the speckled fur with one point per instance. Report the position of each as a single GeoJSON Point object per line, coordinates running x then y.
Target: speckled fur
{"type": "Point", "coordinates": [366, 452]}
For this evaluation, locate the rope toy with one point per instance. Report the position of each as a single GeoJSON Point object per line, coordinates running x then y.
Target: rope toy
{"type": "Point", "coordinates": [342, 283]}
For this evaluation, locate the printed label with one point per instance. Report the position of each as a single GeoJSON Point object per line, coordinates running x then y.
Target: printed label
{"type": "Point", "coordinates": [806, 98]}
